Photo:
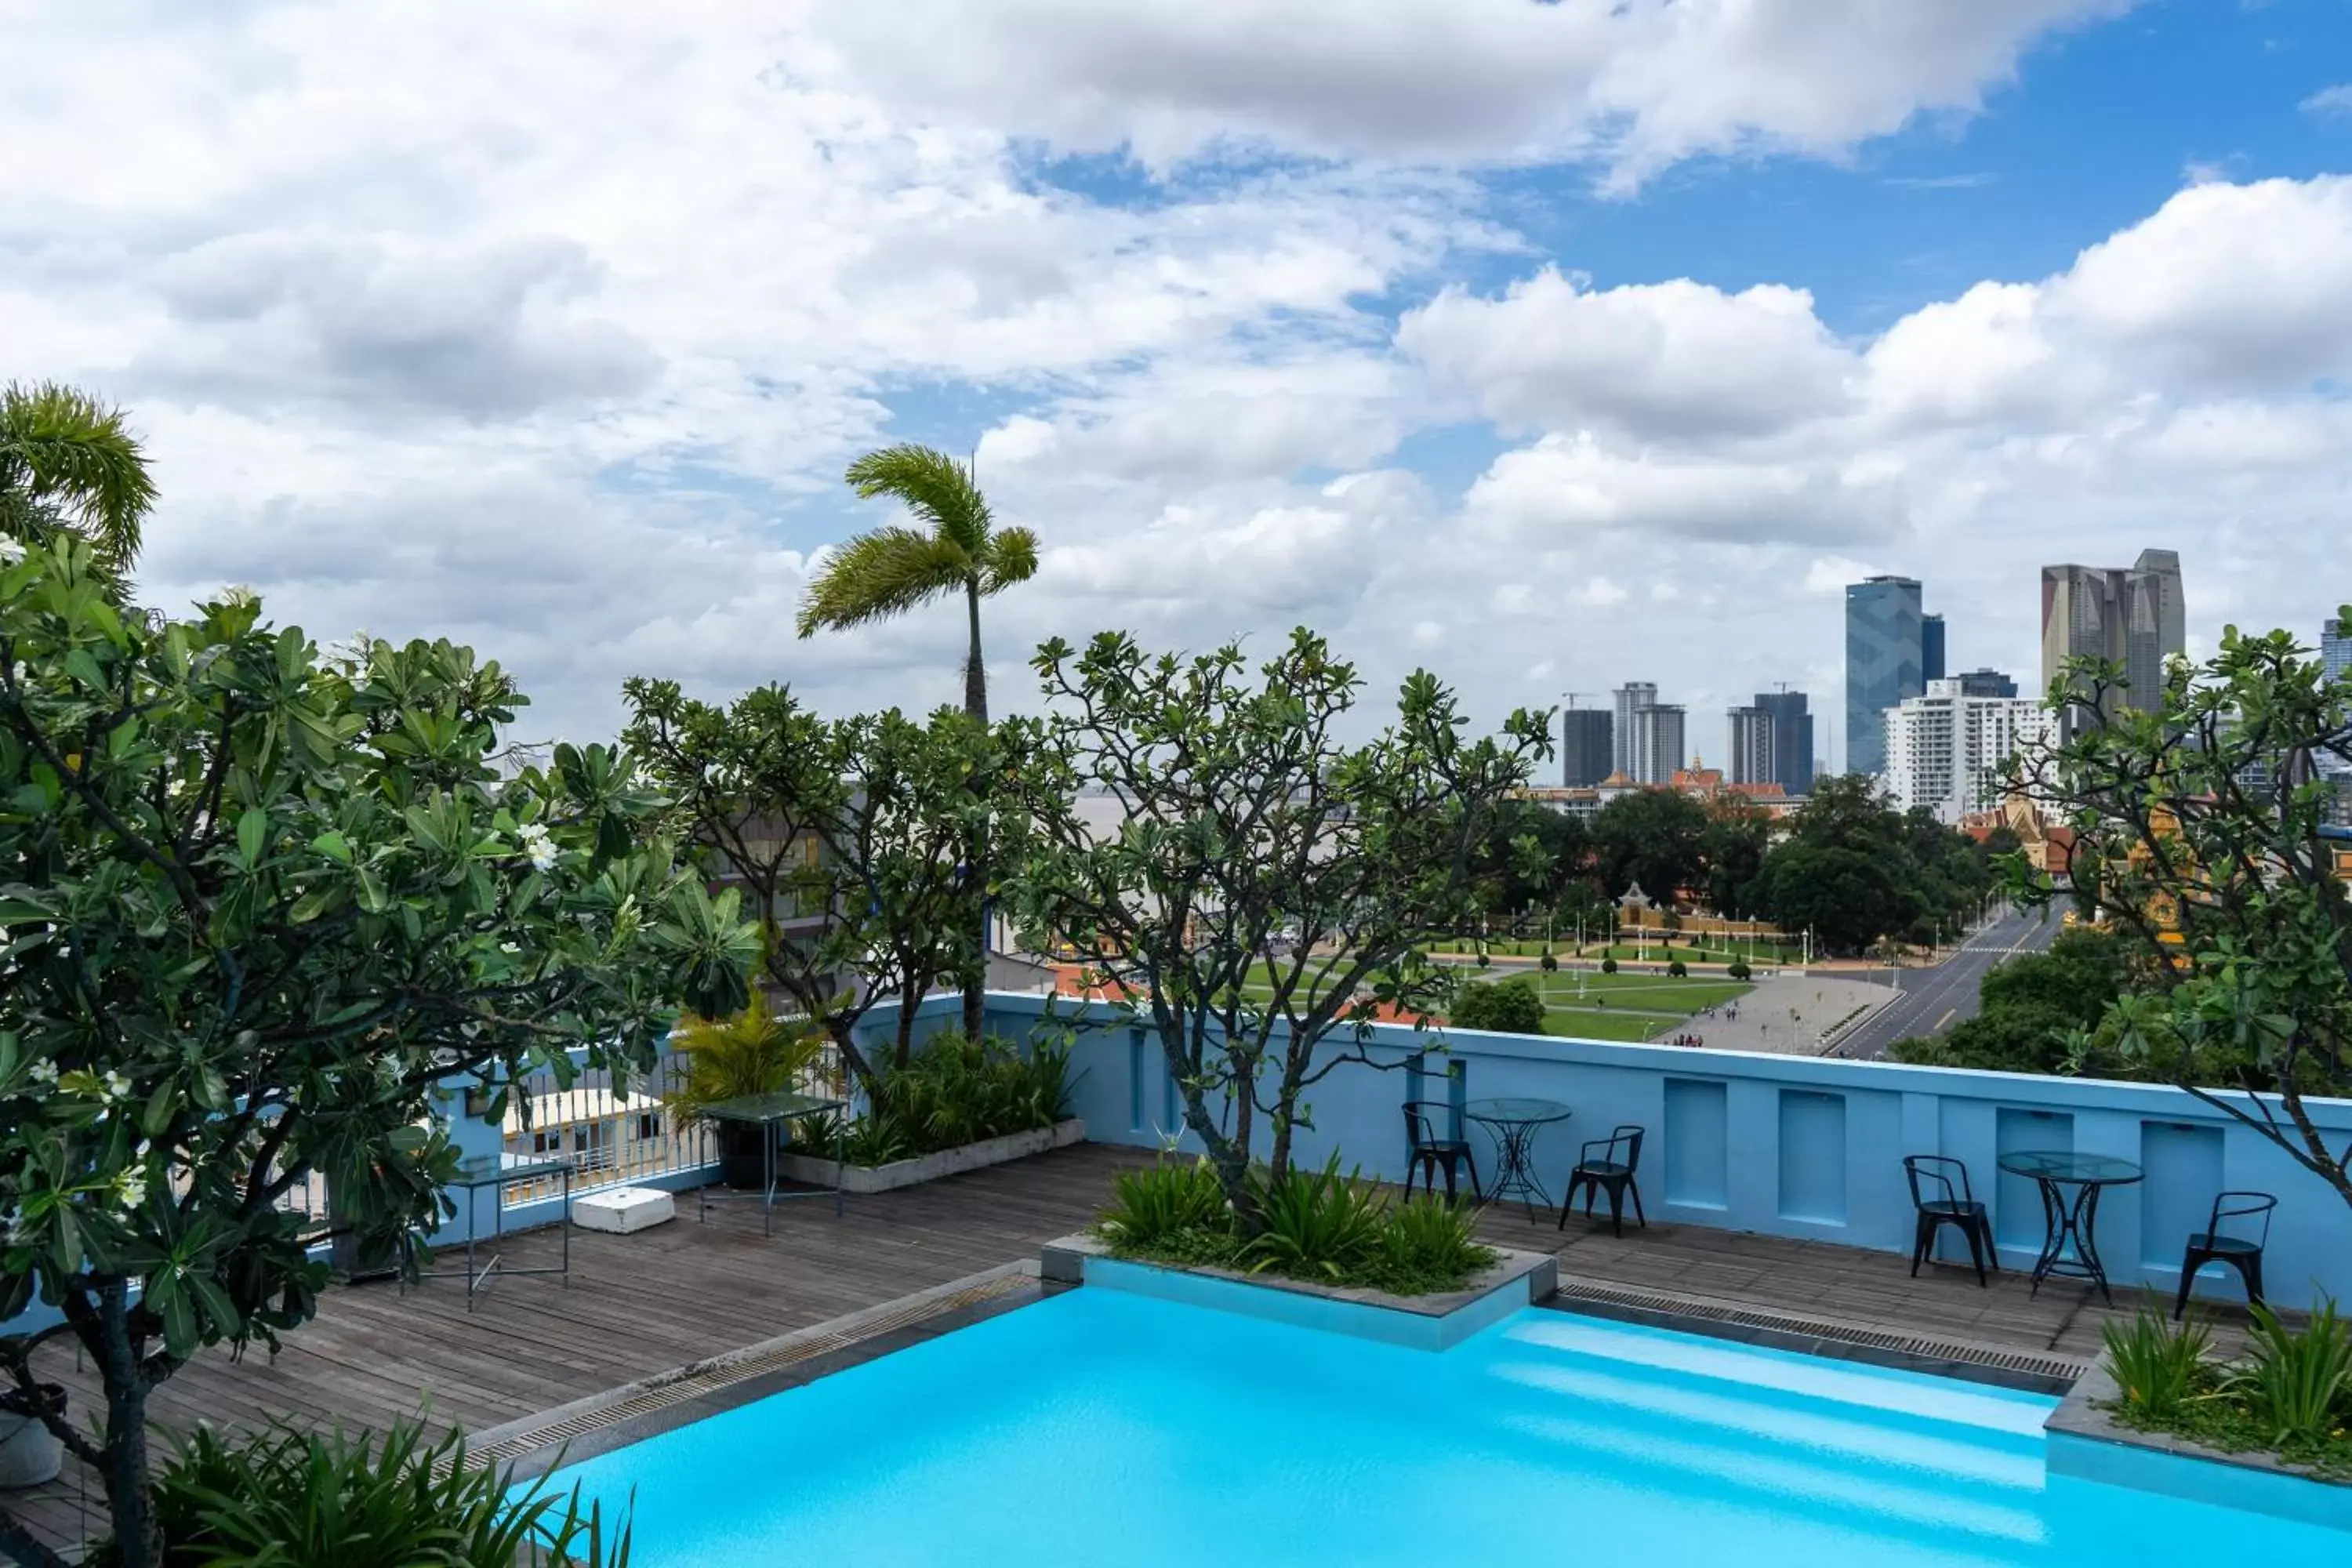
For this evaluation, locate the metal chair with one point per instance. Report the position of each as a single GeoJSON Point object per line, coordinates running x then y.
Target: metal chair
{"type": "Point", "coordinates": [2215, 1245]}
{"type": "Point", "coordinates": [1941, 1195]}
{"type": "Point", "coordinates": [1426, 1151]}
{"type": "Point", "coordinates": [1612, 1173]}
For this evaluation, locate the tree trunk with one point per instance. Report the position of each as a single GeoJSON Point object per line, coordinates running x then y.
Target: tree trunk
{"type": "Point", "coordinates": [130, 1496]}
{"type": "Point", "coordinates": [975, 702]}
{"type": "Point", "coordinates": [909, 996]}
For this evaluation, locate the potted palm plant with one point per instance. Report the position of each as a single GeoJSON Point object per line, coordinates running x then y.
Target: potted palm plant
{"type": "Point", "coordinates": [753, 1052]}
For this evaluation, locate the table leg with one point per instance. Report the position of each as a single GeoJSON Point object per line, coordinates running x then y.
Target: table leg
{"type": "Point", "coordinates": [1515, 1146]}
{"type": "Point", "coordinates": [2053, 1230]}
{"type": "Point", "coordinates": [566, 1223]}
{"type": "Point", "coordinates": [840, 1159]}
{"type": "Point", "coordinates": [767, 1203]}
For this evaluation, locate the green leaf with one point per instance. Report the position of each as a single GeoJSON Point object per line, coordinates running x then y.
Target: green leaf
{"type": "Point", "coordinates": [252, 835]}
{"type": "Point", "coordinates": [333, 846]}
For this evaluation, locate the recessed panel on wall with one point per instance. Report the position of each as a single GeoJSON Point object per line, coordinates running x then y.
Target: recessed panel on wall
{"type": "Point", "coordinates": [1697, 1160]}
{"type": "Point", "coordinates": [1812, 1156]}
{"type": "Point", "coordinates": [2017, 1219]}
{"type": "Point", "coordinates": [1134, 1080]}
{"type": "Point", "coordinates": [2183, 1162]}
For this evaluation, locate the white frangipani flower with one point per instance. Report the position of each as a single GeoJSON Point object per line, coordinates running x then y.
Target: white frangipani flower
{"type": "Point", "coordinates": [537, 845]}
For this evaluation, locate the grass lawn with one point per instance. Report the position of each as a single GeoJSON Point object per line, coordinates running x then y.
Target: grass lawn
{"type": "Point", "coordinates": [1715, 951]}
{"type": "Point", "coordinates": [1624, 1006]}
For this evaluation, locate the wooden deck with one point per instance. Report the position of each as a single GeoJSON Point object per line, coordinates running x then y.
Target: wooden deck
{"type": "Point", "coordinates": [639, 1305]}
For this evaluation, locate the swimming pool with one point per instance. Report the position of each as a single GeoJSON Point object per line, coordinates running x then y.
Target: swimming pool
{"type": "Point", "coordinates": [1097, 1427]}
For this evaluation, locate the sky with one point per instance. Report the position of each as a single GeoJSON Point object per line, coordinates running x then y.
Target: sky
{"type": "Point", "coordinates": [1546, 346]}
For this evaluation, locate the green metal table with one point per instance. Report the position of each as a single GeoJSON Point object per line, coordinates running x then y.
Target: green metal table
{"type": "Point", "coordinates": [769, 1112]}
{"type": "Point", "coordinates": [495, 1172]}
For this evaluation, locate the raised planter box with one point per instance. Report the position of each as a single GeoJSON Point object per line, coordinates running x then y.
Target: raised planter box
{"type": "Point", "coordinates": [2085, 1442]}
{"type": "Point", "coordinates": [1434, 1322]}
{"type": "Point", "coordinates": [818, 1172]}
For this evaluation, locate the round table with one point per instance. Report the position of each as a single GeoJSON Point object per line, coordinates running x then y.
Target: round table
{"type": "Point", "coordinates": [1515, 1123]}
{"type": "Point", "coordinates": [2070, 1184]}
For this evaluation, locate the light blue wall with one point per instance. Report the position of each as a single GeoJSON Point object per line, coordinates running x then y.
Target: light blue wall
{"type": "Point", "coordinates": [1795, 1146]}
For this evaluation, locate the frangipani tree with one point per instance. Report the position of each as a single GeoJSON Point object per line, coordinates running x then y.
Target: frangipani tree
{"type": "Point", "coordinates": [1257, 903]}
{"type": "Point", "coordinates": [260, 901]}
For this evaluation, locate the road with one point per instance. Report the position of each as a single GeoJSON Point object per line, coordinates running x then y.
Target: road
{"type": "Point", "coordinates": [1935, 999]}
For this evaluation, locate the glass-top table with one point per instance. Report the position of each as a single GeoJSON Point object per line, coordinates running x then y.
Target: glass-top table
{"type": "Point", "coordinates": [2070, 1184]}
{"type": "Point", "coordinates": [497, 1172]}
{"type": "Point", "coordinates": [1515, 1121]}
{"type": "Point", "coordinates": [769, 1112]}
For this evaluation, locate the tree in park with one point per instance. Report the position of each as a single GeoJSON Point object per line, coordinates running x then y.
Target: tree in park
{"type": "Point", "coordinates": [69, 464]}
{"type": "Point", "coordinates": [1257, 903]}
{"type": "Point", "coordinates": [1511, 1006]}
{"type": "Point", "coordinates": [886, 572]}
{"type": "Point", "coordinates": [1653, 837]}
{"type": "Point", "coordinates": [847, 836]}
{"type": "Point", "coordinates": [2201, 822]}
{"type": "Point", "coordinates": [260, 902]}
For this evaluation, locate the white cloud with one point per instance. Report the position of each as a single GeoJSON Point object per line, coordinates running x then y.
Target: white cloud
{"type": "Point", "coordinates": [1830, 573]}
{"type": "Point", "coordinates": [1636, 86]}
{"type": "Point", "coordinates": [2329, 101]}
{"type": "Point", "coordinates": [1565, 488]}
{"type": "Point", "coordinates": [1674, 359]}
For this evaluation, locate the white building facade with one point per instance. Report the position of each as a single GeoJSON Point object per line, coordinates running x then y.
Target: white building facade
{"type": "Point", "coordinates": [1952, 752]}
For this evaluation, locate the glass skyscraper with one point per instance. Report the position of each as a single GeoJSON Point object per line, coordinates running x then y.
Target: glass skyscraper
{"type": "Point", "coordinates": [1885, 663]}
{"type": "Point", "coordinates": [1793, 740]}
{"type": "Point", "coordinates": [1587, 746]}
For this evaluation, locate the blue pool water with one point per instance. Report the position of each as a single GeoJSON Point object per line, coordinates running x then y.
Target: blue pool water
{"type": "Point", "coordinates": [1099, 1428]}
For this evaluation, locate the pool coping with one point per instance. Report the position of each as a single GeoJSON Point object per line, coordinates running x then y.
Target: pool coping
{"type": "Point", "coordinates": [1434, 1322]}
{"type": "Point", "coordinates": [2084, 1440]}
{"type": "Point", "coordinates": [649, 1406]}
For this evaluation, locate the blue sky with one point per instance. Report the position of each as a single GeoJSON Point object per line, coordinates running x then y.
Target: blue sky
{"type": "Point", "coordinates": [1548, 345]}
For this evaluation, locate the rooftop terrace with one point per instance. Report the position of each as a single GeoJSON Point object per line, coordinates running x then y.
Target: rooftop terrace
{"type": "Point", "coordinates": [639, 1306]}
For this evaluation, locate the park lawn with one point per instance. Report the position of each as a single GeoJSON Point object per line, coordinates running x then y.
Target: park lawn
{"type": "Point", "coordinates": [1599, 1023]}
{"type": "Point", "coordinates": [1684, 996]}
{"type": "Point", "coordinates": [1713, 953]}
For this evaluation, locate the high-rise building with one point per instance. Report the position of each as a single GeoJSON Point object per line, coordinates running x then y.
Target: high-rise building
{"type": "Point", "coordinates": [1986, 683]}
{"type": "Point", "coordinates": [1931, 648]}
{"type": "Point", "coordinates": [1587, 750]}
{"type": "Point", "coordinates": [1658, 751]}
{"type": "Point", "coordinates": [1883, 662]}
{"type": "Point", "coordinates": [1792, 740]}
{"type": "Point", "coordinates": [1951, 752]}
{"type": "Point", "coordinates": [1749, 753]}
{"type": "Point", "coordinates": [2131, 616]}
{"type": "Point", "coordinates": [1633, 695]}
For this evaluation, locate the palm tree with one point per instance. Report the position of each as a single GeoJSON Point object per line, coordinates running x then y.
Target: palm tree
{"type": "Point", "coordinates": [67, 463]}
{"type": "Point", "coordinates": [894, 568]}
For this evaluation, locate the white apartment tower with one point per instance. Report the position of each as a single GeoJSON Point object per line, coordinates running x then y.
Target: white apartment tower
{"type": "Point", "coordinates": [1951, 753]}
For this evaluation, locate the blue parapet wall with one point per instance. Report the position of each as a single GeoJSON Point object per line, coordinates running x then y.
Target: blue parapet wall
{"type": "Point", "coordinates": [1795, 1146]}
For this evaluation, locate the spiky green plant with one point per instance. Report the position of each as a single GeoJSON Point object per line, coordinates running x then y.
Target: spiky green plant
{"type": "Point", "coordinates": [2299, 1382]}
{"type": "Point", "coordinates": [2154, 1364]}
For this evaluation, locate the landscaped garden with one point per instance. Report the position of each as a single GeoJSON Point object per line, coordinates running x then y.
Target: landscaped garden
{"type": "Point", "coordinates": [2289, 1394]}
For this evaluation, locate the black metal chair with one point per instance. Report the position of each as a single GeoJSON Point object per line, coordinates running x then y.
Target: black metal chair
{"type": "Point", "coordinates": [2215, 1245]}
{"type": "Point", "coordinates": [1941, 1200]}
{"type": "Point", "coordinates": [1612, 1173]}
{"type": "Point", "coordinates": [1427, 1151]}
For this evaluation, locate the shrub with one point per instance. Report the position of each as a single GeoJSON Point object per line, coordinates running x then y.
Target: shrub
{"type": "Point", "coordinates": [1482, 958]}
{"type": "Point", "coordinates": [755, 1052]}
{"type": "Point", "coordinates": [1550, 961]}
{"type": "Point", "coordinates": [1678, 969]}
{"type": "Point", "coordinates": [953, 1092]}
{"type": "Point", "coordinates": [1608, 966]}
{"type": "Point", "coordinates": [1513, 1006]}
{"type": "Point", "coordinates": [2157, 1366]}
{"type": "Point", "coordinates": [289, 1495]}
{"type": "Point", "coordinates": [1739, 970]}
{"type": "Point", "coordinates": [1429, 1244]}
{"type": "Point", "coordinates": [1167, 1206]}
{"type": "Point", "coordinates": [2296, 1382]}
{"type": "Point", "coordinates": [1315, 1224]}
